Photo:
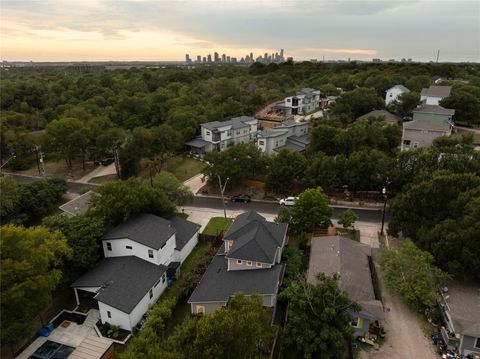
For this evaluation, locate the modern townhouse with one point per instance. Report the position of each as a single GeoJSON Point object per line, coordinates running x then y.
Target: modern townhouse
{"type": "Point", "coordinates": [290, 134]}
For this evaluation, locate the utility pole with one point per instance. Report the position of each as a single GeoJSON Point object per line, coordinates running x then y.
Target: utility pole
{"type": "Point", "coordinates": [438, 55]}
{"type": "Point", "coordinates": [222, 190]}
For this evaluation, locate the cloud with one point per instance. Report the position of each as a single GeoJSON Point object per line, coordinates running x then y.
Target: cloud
{"type": "Point", "coordinates": [342, 51]}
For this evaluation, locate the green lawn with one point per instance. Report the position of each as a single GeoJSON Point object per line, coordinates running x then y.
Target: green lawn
{"type": "Point", "coordinates": [217, 225]}
{"type": "Point", "coordinates": [184, 168]}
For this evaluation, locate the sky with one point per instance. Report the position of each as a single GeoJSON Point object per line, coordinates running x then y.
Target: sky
{"type": "Point", "coordinates": [159, 30]}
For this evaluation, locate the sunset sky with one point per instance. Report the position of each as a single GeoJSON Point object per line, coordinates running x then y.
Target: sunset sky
{"type": "Point", "coordinates": [64, 30]}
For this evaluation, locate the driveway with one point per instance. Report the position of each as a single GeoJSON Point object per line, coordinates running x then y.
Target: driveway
{"type": "Point", "coordinates": [405, 338]}
{"type": "Point", "coordinates": [203, 215]}
{"type": "Point", "coordinates": [195, 183]}
{"type": "Point", "coordinates": [99, 171]}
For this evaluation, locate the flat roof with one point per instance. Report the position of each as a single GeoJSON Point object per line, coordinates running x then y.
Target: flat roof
{"type": "Point", "coordinates": [78, 205]}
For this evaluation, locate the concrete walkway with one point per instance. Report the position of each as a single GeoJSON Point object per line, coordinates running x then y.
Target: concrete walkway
{"type": "Point", "coordinates": [195, 183]}
{"type": "Point", "coordinates": [98, 172]}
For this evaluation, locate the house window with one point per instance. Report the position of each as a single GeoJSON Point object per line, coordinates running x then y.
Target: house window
{"type": "Point", "coordinates": [163, 278]}
{"type": "Point", "coordinates": [239, 261]}
{"type": "Point", "coordinates": [391, 94]}
{"type": "Point", "coordinates": [150, 253]}
{"type": "Point", "coordinates": [357, 322]}
{"type": "Point", "coordinates": [229, 244]}
{"type": "Point", "coordinates": [109, 314]}
{"type": "Point", "coordinates": [249, 263]}
{"type": "Point", "coordinates": [288, 100]}
{"type": "Point", "coordinates": [477, 343]}
{"type": "Point", "coordinates": [208, 133]}
{"type": "Point", "coordinates": [150, 293]}
{"type": "Point", "coordinates": [415, 144]}
{"type": "Point", "coordinates": [406, 142]}
{"type": "Point", "coordinates": [259, 265]}
{"type": "Point", "coordinates": [200, 309]}
{"type": "Point", "coordinates": [109, 246]}
{"type": "Point", "coordinates": [261, 143]}
{"type": "Point", "coordinates": [237, 132]}
{"type": "Point", "coordinates": [128, 247]}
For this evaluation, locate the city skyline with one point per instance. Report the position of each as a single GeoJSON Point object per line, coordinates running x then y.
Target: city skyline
{"type": "Point", "coordinates": [145, 30]}
{"type": "Point", "coordinates": [249, 58]}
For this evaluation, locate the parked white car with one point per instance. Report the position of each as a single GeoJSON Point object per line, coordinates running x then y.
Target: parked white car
{"type": "Point", "coordinates": [289, 201]}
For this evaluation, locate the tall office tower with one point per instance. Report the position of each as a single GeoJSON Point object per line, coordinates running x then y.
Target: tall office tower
{"type": "Point", "coordinates": [277, 56]}
{"type": "Point", "coordinates": [199, 58]}
{"type": "Point", "coordinates": [242, 60]}
{"type": "Point", "coordinates": [224, 58]}
{"type": "Point", "coordinates": [273, 57]}
{"type": "Point", "coordinates": [204, 59]}
{"type": "Point", "coordinates": [216, 58]}
{"type": "Point", "coordinates": [251, 56]}
{"type": "Point", "coordinates": [228, 58]}
{"type": "Point", "coordinates": [234, 60]}
{"type": "Point", "coordinates": [187, 58]}
{"type": "Point", "coordinates": [209, 58]}
{"type": "Point", "coordinates": [281, 54]}
{"type": "Point", "coordinates": [265, 56]}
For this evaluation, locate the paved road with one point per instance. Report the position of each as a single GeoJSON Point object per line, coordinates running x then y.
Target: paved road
{"type": "Point", "coordinates": [365, 215]}
{"type": "Point", "coordinates": [73, 186]}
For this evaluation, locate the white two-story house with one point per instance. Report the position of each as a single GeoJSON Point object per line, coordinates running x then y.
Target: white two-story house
{"type": "Point", "coordinates": [248, 262]}
{"type": "Point", "coordinates": [218, 136]}
{"type": "Point", "coordinates": [290, 134]}
{"type": "Point", "coordinates": [394, 92]}
{"type": "Point", "coordinates": [303, 102]}
{"type": "Point", "coordinates": [133, 274]}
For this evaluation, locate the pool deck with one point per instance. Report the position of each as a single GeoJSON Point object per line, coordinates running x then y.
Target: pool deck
{"type": "Point", "coordinates": [72, 335]}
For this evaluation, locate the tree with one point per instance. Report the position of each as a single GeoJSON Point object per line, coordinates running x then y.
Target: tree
{"type": "Point", "coordinates": [109, 143]}
{"type": "Point", "coordinates": [352, 104]}
{"type": "Point", "coordinates": [293, 259]}
{"type": "Point", "coordinates": [29, 202]}
{"type": "Point", "coordinates": [285, 168]}
{"type": "Point", "coordinates": [31, 262]}
{"type": "Point", "coordinates": [67, 137]}
{"type": "Point", "coordinates": [367, 169]}
{"type": "Point", "coordinates": [411, 273]}
{"type": "Point", "coordinates": [325, 171]}
{"type": "Point", "coordinates": [406, 103]}
{"type": "Point", "coordinates": [466, 102]}
{"type": "Point", "coordinates": [244, 160]}
{"type": "Point", "coordinates": [310, 211]}
{"type": "Point", "coordinates": [84, 236]}
{"type": "Point", "coordinates": [324, 138]}
{"type": "Point", "coordinates": [175, 190]}
{"type": "Point", "coordinates": [319, 319]}
{"type": "Point", "coordinates": [119, 200]}
{"type": "Point", "coordinates": [417, 83]}
{"type": "Point", "coordinates": [347, 218]}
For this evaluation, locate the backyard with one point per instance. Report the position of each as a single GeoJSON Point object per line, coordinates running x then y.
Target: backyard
{"type": "Point", "coordinates": [184, 168]}
{"type": "Point", "coordinates": [217, 225]}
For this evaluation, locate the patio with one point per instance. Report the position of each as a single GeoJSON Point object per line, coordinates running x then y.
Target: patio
{"type": "Point", "coordinates": [68, 333]}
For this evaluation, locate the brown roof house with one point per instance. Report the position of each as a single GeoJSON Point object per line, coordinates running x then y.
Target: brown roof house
{"type": "Point", "coordinates": [352, 261]}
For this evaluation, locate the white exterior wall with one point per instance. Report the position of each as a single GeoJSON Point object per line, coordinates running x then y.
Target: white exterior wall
{"type": "Point", "coordinates": [392, 94]}
{"type": "Point", "coordinates": [431, 100]}
{"type": "Point", "coordinates": [180, 256]}
{"type": "Point", "coordinates": [206, 134]}
{"type": "Point", "coordinates": [128, 321]}
{"type": "Point", "coordinates": [119, 249]}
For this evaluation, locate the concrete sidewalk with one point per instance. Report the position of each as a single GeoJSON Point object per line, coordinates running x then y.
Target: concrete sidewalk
{"type": "Point", "coordinates": [99, 171]}
{"type": "Point", "coordinates": [195, 183]}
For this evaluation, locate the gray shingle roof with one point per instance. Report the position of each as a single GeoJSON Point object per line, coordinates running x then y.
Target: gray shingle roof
{"type": "Point", "coordinates": [218, 284]}
{"type": "Point", "coordinates": [427, 125]}
{"type": "Point", "coordinates": [255, 239]}
{"type": "Point", "coordinates": [424, 108]}
{"type": "Point", "coordinates": [464, 307]}
{"type": "Point", "coordinates": [147, 229]}
{"type": "Point", "coordinates": [124, 281]}
{"type": "Point", "coordinates": [184, 231]}
{"type": "Point", "coordinates": [272, 133]}
{"type": "Point", "coordinates": [197, 143]}
{"type": "Point", "coordinates": [349, 259]}
{"type": "Point", "coordinates": [437, 91]}
{"type": "Point", "coordinates": [389, 117]}
{"type": "Point", "coordinates": [78, 205]}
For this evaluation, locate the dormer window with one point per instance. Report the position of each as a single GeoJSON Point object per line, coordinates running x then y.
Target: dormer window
{"type": "Point", "coordinates": [258, 265]}
{"type": "Point", "coordinates": [249, 263]}
{"type": "Point", "coordinates": [239, 261]}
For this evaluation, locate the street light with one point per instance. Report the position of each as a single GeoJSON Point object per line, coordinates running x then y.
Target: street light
{"type": "Point", "coordinates": [222, 189]}
{"type": "Point", "coordinates": [8, 160]}
{"type": "Point", "coordinates": [384, 192]}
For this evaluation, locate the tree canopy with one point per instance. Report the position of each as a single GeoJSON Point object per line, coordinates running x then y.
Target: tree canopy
{"type": "Point", "coordinates": [284, 169]}
{"type": "Point", "coordinates": [31, 268]}
{"type": "Point", "coordinates": [310, 211]}
{"type": "Point", "coordinates": [319, 319]}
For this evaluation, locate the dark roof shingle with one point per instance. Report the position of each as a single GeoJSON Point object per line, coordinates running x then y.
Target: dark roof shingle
{"type": "Point", "coordinates": [124, 281]}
